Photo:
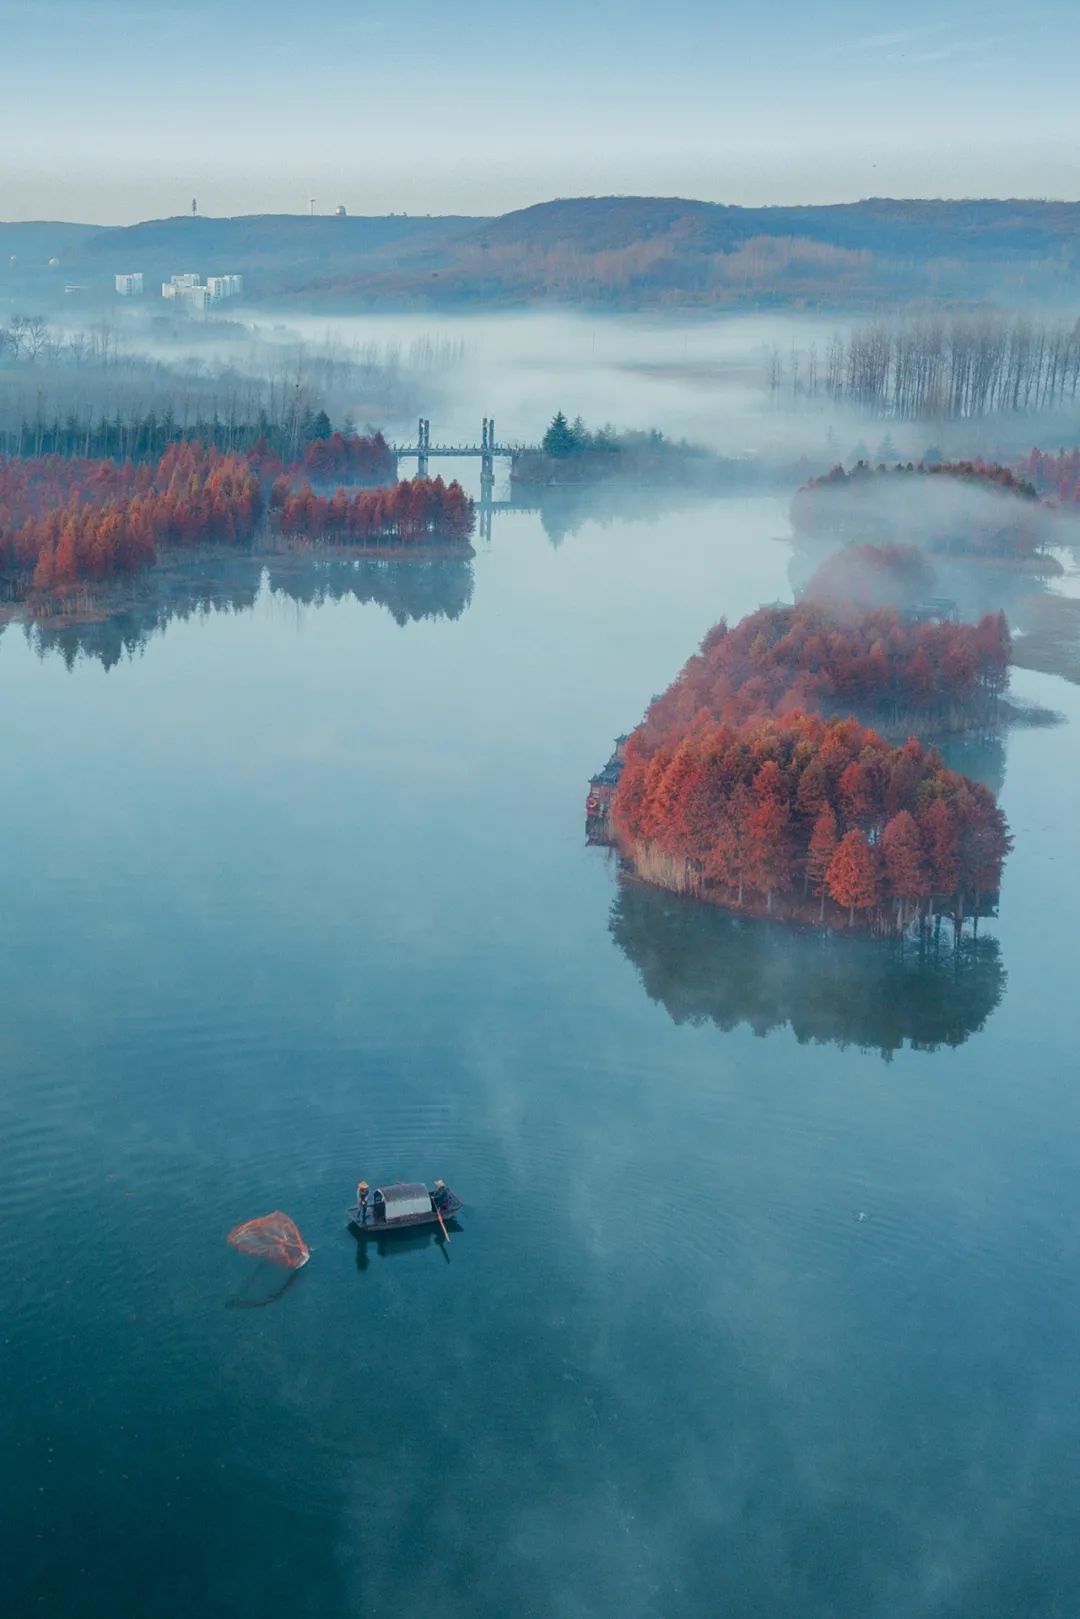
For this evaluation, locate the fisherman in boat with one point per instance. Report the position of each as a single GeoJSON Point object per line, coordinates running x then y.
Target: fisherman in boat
{"type": "Point", "coordinates": [361, 1198]}
{"type": "Point", "coordinates": [440, 1196]}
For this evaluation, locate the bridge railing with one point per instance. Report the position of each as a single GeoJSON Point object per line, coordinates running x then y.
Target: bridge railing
{"type": "Point", "coordinates": [486, 450]}
{"type": "Point", "coordinates": [478, 450]}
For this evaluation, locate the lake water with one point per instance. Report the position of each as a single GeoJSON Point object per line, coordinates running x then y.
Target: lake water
{"type": "Point", "coordinates": [298, 892]}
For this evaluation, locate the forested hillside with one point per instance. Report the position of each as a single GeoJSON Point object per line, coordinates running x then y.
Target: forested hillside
{"type": "Point", "coordinates": [617, 252]}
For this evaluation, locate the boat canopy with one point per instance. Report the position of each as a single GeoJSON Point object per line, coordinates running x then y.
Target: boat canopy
{"type": "Point", "coordinates": [406, 1198]}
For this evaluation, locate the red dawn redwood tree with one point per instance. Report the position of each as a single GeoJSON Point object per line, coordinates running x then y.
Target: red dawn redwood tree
{"type": "Point", "coordinates": [768, 841]}
{"type": "Point", "coordinates": [852, 874]}
{"type": "Point", "coordinates": [822, 847]}
{"type": "Point", "coordinates": [905, 871]}
{"type": "Point", "coordinates": [939, 834]}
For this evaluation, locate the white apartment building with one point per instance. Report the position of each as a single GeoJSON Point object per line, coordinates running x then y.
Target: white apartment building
{"type": "Point", "coordinates": [188, 289]}
{"type": "Point", "coordinates": [224, 286]}
{"type": "Point", "coordinates": [178, 284]}
{"type": "Point", "coordinates": [130, 286]}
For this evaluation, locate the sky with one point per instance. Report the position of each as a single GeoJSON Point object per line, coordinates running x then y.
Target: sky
{"type": "Point", "coordinates": [118, 110]}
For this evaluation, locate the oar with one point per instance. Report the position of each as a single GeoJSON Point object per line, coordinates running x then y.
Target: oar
{"type": "Point", "coordinates": [438, 1216]}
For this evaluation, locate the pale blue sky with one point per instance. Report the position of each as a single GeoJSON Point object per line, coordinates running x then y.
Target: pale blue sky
{"type": "Point", "coordinates": [115, 110]}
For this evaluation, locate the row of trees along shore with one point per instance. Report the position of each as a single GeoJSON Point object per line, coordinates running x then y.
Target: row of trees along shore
{"type": "Point", "coordinates": [972, 508]}
{"type": "Point", "coordinates": [820, 820]}
{"type": "Point", "coordinates": [145, 436]}
{"type": "Point", "coordinates": [572, 453]}
{"type": "Point", "coordinates": [358, 459]}
{"type": "Point", "coordinates": [405, 511]}
{"type": "Point", "coordinates": [953, 368]}
{"type": "Point", "coordinates": [67, 522]}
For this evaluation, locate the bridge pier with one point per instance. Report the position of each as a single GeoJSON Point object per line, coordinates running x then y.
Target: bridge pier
{"type": "Point", "coordinates": [487, 459]}
{"type": "Point", "coordinates": [423, 445]}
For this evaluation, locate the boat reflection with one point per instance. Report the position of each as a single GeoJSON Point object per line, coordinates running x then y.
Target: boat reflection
{"type": "Point", "coordinates": [704, 965]}
{"type": "Point", "coordinates": [397, 1243]}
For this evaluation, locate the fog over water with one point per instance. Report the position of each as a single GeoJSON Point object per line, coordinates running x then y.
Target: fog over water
{"type": "Point", "coordinates": [296, 890]}
{"type": "Point", "coordinates": [749, 386]}
{"type": "Point", "coordinates": [700, 379]}
{"type": "Point", "coordinates": [742, 385]}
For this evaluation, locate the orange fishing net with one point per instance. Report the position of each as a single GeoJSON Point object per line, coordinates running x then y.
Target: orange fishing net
{"type": "Point", "coordinates": [273, 1237]}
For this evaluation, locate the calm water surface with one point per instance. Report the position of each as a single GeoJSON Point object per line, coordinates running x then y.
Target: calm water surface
{"type": "Point", "coordinates": [299, 893]}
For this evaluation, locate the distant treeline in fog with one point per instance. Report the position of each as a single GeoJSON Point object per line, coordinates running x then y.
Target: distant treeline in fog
{"type": "Point", "coordinates": [299, 434]}
{"type": "Point", "coordinates": [97, 392]}
{"type": "Point", "coordinates": [942, 368]}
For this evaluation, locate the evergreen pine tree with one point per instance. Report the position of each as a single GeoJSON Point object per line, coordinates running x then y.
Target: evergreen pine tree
{"type": "Point", "coordinates": [559, 440]}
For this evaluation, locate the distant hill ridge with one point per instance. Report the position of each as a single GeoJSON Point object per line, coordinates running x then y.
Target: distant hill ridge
{"type": "Point", "coordinates": [619, 252]}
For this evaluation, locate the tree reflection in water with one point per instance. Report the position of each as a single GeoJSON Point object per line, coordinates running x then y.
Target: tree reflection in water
{"type": "Point", "coordinates": [566, 508]}
{"type": "Point", "coordinates": [410, 590]}
{"type": "Point", "coordinates": [427, 586]}
{"type": "Point", "coordinates": [704, 965]}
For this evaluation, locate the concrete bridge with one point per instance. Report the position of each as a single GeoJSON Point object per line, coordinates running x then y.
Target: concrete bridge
{"type": "Point", "coordinates": [486, 452]}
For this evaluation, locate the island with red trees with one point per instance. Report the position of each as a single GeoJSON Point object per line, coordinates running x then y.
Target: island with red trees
{"type": "Point", "coordinates": [888, 668]}
{"type": "Point", "coordinates": [743, 785]}
{"type": "Point", "coordinates": [70, 525]}
{"type": "Point", "coordinates": [963, 508]}
{"type": "Point", "coordinates": [819, 820]}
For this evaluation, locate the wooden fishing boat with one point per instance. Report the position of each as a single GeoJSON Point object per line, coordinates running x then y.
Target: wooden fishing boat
{"type": "Point", "coordinates": [403, 1206]}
